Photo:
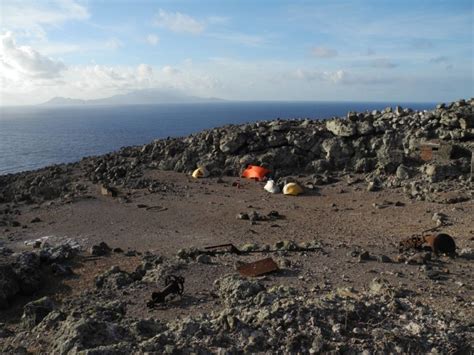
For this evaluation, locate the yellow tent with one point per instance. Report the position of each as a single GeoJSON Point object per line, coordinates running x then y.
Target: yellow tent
{"type": "Point", "coordinates": [200, 173]}
{"type": "Point", "coordinates": [293, 189]}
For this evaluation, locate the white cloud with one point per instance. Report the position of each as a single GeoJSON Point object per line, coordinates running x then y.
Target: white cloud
{"type": "Point", "coordinates": [27, 77]}
{"type": "Point", "coordinates": [30, 17]}
{"type": "Point", "coordinates": [169, 70]}
{"type": "Point", "coordinates": [178, 22]}
{"type": "Point", "coordinates": [342, 77]}
{"type": "Point", "coordinates": [144, 71]}
{"type": "Point", "coordinates": [335, 77]}
{"type": "Point", "coordinates": [48, 48]}
{"type": "Point", "coordinates": [113, 44]}
{"type": "Point", "coordinates": [324, 52]}
{"type": "Point", "coordinates": [152, 39]}
{"type": "Point", "coordinates": [23, 62]}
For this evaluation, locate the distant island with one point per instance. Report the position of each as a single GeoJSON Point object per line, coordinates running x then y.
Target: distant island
{"type": "Point", "coordinates": [139, 97]}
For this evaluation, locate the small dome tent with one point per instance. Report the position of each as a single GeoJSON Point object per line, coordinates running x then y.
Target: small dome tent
{"type": "Point", "coordinates": [255, 172]}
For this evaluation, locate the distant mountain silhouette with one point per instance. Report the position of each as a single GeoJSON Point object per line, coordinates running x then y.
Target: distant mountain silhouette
{"type": "Point", "coordinates": [140, 97]}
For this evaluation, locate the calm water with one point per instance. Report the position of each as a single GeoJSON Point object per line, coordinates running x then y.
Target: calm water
{"type": "Point", "coordinates": [34, 137]}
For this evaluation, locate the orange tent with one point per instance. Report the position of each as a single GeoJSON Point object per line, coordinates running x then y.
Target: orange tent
{"type": "Point", "coordinates": [255, 172]}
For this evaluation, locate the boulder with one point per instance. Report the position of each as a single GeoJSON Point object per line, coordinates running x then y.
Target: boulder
{"type": "Point", "coordinates": [34, 312]}
{"type": "Point", "coordinates": [234, 289]}
{"type": "Point", "coordinates": [9, 286]}
{"type": "Point", "coordinates": [28, 272]}
{"type": "Point", "coordinates": [232, 142]}
{"type": "Point", "coordinates": [364, 127]}
{"type": "Point", "coordinates": [76, 335]}
{"type": "Point", "coordinates": [101, 249]}
{"type": "Point", "coordinates": [114, 278]}
{"type": "Point", "coordinates": [403, 172]}
{"type": "Point", "coordinates": [341, 128]}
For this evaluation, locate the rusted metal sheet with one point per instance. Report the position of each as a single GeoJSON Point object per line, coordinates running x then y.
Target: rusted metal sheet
{"type": "Point", "coordinates": [258, 268]}
{"type": "Point", "coordinates": [436, 150]}
{"type": "Point", "coordinates": [428, 150]}
{"type": "Point", "coordinates": [426, 153]}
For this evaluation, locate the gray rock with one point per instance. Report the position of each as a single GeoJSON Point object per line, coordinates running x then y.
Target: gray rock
{"type": "Point", "coordinates": [204, 259]}
{"type": "Point", "coordinates": [114, 278]}
{"type": "Point", "coordinates": [232, 142]}
{"type": "Point", "coordinates": [364, 127]}
{"type": "Point", "coordinates": [34, 312]}
{"type": "Point", "coordinates": [341, 128]}
{"type": "Point", "coordinates": [58, 253]}
{"type": "Point", "coordinates": [28, 272]}
{"type": "Point", "coordinates": [233, 289]}
{"type": "Point", "coordinates": [403, 172]}
{"type": "Point", "coordinates": [82, 334]}
{"type": "Point", "coordinates": [100, 249]}
{"type": "Point", "coordinates": [9, 286]}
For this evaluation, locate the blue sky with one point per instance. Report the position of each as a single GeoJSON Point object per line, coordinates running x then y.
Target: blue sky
{"type": "Point", "coordinates": [243, 50]}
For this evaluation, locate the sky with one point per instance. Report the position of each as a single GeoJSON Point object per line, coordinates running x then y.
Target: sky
{"type": "Point", "coordinates": [359, 50]}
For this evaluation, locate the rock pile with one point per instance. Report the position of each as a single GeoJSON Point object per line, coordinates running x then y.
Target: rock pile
{"type": "Point", "coordinates": [386, 143]}
{"type": "Point", "coordinates": [23, 273]}
{"type": "Point", "coordinates": [253, 318]}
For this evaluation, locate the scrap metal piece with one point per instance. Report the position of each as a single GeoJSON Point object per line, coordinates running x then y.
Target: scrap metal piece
{"type": "Point", "coordinates": [230, 248]}
{"type": "Point", "coordinates": [174, 285]}
{"type": "Point", "coordinates": [257, 268]}
{"type": "Point", "coordinates": [156, 208]}
{"type": "Point", "coordinates": [436, 150]}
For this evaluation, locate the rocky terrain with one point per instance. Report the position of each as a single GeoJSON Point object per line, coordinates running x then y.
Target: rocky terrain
{"type": "Point", "coordinates": [83, 246]}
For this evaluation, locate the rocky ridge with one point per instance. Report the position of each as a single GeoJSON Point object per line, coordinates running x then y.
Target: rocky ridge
{"type": "Point", "coordinates": [385, 145]}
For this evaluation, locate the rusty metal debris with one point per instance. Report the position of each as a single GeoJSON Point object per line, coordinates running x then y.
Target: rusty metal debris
{"type": "Point", "coordinates": [156, 208]}
{"type": "Point", "coordinates": [426, 151]}
{"type": "Point", "coordinates": [228, 248]}
{"type": "Point", "coordinates": [438, 150]}
{"type": "Point", "coordinates": [439, 243]}
{"type": "Point", "coordinates": [257, 268]}
{"type": "Point", "coordinates": [174, 285]}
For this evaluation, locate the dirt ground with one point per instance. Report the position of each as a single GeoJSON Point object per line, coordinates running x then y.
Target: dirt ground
{"type": "Point", "coordinates": [197, 213]}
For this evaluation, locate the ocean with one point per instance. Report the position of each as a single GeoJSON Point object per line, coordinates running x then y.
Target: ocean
{"type": "Point", "coordinates": [37, 136]}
